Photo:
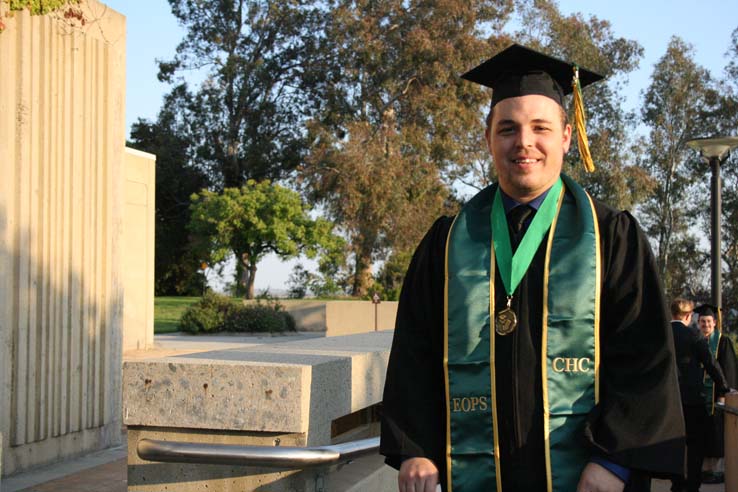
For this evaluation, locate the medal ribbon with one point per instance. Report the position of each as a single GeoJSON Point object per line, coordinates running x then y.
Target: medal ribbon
{"type": "Point", "coordinates": [513, 267]}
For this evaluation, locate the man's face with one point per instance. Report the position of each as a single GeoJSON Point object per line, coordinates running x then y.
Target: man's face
{"type": "Point", "coordinates": [707, 325]}
{"type": "Point", "coordinates": [527, 140]}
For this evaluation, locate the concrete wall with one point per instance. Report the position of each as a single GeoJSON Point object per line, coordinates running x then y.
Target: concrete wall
{"type": "Point", "coordinates": [731, 443]}
{"type": "Point", "coordinates": [337, 318]}
{"type": "Point", "coordinates": [138, 249]}
{"type": "Point", "coordinates": [62, 130]}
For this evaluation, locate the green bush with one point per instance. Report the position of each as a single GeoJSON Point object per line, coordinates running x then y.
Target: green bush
{"type": "Point", "coordinates": [254, 319]}
{"type": "Point", "coordinates": [198, 318]}
{"type": "Point", "coordinates": [289, 321]}
{"type": "Point", "coordinates": [216, 312]}
{"type": "Point", "coordinates": [208, 314]}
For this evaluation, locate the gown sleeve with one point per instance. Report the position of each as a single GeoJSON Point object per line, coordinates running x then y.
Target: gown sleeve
{"type": "Point", "coordinates": [414, 402]}
{"type": "Point", "coordinates": [726, 359]}
{"type": "Point", "coordinates": [701, 350]}
{"type": "Point", "coordinates": [638, 422]}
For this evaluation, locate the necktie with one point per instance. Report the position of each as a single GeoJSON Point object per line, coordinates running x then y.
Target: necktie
{"type": "Point", "coordinates": [516, 219]}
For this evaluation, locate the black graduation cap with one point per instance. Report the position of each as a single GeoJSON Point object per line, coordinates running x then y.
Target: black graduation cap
{"type": "Point", "coordinates": [520, 71]}
{"type": "Point", "coordinates": [706, 310]}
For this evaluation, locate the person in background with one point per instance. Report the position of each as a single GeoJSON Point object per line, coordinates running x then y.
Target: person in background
{"type": "Point", "coordinates": [722, 349]}
{"type": "Point", "coordinates": [693, 360]}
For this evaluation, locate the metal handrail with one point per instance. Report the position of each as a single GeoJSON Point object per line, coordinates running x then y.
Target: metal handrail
{"type": "Point", "coordinates": [726, 408]}
{"type": "Point", "coordinates": [266, 456]}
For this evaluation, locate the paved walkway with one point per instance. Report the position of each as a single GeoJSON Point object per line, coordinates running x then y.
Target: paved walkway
{"type": "Point", "coordinates": [106, 471]}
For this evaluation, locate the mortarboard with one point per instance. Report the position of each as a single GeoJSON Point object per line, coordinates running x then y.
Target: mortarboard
{"type": "Point", "coordinates": [706, 310]}
{"type": "Point", "coordinates": [520, 71]}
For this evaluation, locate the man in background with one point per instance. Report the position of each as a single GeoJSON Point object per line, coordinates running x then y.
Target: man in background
{"type": "Point", "coordinates": [693, 360]}
{"type": "Point", "coordinates": [722, 349]}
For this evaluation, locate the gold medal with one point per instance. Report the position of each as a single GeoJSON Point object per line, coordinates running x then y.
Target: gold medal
{"type": "Point", "coordinates": [506, 320]}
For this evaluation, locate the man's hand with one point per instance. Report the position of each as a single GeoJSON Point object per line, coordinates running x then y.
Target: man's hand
{"type": "Point", "coordinates": [596, 478]}
{"type": "Point", "coordinates": [418, 475]}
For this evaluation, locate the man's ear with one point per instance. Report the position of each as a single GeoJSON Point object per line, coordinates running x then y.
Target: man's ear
{"type": "Point", "coordinates": [488, 138]}
{"type": "Point", "coordinates": [566, 141]}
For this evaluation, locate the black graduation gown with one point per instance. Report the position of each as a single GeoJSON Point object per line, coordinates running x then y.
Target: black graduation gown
{"type": "Point", "coordinates": [726, 359]}
{"type": "Point", "coordinates": [638, 422]}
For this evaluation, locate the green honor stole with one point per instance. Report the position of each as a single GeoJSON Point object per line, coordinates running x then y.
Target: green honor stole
{"type": "Point", "coordinates": [713, 341]}
{"type": "Point", "coordinates": [570, 335]}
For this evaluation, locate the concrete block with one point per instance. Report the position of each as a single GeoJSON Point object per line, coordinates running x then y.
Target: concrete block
{"type": "Point", "coordinates": [145, 476]}
{"type": "Point", "coordinates": [336, 318]}
{"type": "Point", "coordinates": [286, 387]}
{"type": "Point", "coordinates": [731, 443]}
{"type": "Point", "coordinates": [213, 394]}
{"type": "Point", "coordinates": [138, 252]}
{"type": "Point", "coordinates": [367, 474]}
{"type": "Point", "coordinates": [253, 395]}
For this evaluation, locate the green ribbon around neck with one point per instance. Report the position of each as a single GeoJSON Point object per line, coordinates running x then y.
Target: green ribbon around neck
{"type": "Point", "coordinates": [513, 267]}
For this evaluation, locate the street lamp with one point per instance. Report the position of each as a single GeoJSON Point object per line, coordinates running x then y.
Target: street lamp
{"type": "Point", "coordinates": [714, 151]}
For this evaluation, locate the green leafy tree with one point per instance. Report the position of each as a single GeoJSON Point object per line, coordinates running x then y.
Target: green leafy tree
{"type": "Point", "coordinates": [256, 54]}
{"type": "Point", "coordinates": [674, 110]}
{"type": "Point", "coordinates": [254, 220]}
{"type": "Point", "coordinates": [176, 266]}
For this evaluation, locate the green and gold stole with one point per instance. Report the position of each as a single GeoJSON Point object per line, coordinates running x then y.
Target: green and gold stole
{"type": "Point", "coordinates": [570, 343]}
{"type": "Point", "coordinates": [714, 342]}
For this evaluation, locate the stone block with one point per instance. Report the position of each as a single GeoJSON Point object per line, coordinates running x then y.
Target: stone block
{"type": "Point", "coordinates": [146, 476]}
{"type": "Point", "coordinates": [336, 318]}
{"type": "Point", "coordinates": [139, 170]}
{"type": "Point", "coordinates": [271, 394]}
{"type": "Point", "coordinates": [731, 443]}
{"type": "Point", "coordinates": [213, 394]}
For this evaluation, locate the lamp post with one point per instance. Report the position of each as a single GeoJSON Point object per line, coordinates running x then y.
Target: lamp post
{"type": "Point", "coordinates": [714, 151]}
{"type": "Point", "coordinates": [376, 300]}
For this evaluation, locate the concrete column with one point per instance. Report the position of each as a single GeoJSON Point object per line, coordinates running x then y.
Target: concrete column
{"type": "Point", "coordinates": [139, 216]}
{"type": "Point", "coordinates": [62, 131]}
{"type": "Point", "coordinates": [731, 443]}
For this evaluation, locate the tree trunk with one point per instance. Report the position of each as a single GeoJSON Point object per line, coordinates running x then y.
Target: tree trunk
{"type": "Point", "coordinates": [362, 273]}
{"type": "Point", "coordinates": [248, 274]}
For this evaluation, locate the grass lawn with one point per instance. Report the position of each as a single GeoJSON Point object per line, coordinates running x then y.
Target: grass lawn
{"type": "Point", "coordinates": [168, 310]}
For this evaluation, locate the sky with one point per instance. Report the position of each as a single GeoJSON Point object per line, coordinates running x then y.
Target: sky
{"type": "Point", "coordinates": [153, 34]}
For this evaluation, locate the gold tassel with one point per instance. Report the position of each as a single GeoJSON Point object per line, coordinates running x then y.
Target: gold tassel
{"type": "Point", "coordinates": [580, 123]}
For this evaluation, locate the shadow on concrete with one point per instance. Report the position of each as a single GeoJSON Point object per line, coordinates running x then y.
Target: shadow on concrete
{"type": "Point", "coordinates": [60, 332]}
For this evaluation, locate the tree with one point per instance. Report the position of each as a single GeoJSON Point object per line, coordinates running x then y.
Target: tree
{"type": "Point", "coordinates": [394, 117]}
{"type": "Point", "coordinates": [254, 220]}
{"type": "Point", "coordinates": [726, 123]}
{"type": "Point", "coordinates": [247, 114]}
{"type": "Point", "coordinates": [591, 43]}
{"type": "Point", "coordinates": [674, 109]}
{"type": "Point", "coordinates": [176, 268]}
{"type": "Point", "coordinates": [376, 193]}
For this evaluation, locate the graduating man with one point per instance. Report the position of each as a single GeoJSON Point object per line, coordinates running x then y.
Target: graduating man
{"type": "Point", "coordinates": [722, 349]}
{"type": "Point", "coordinates": [693, 361]}
{"type": "Point", "coordinates": [532, 349]}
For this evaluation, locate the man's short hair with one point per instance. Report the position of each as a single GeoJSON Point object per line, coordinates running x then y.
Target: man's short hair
{"type": "Point", "coordinates": [680, 307]}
